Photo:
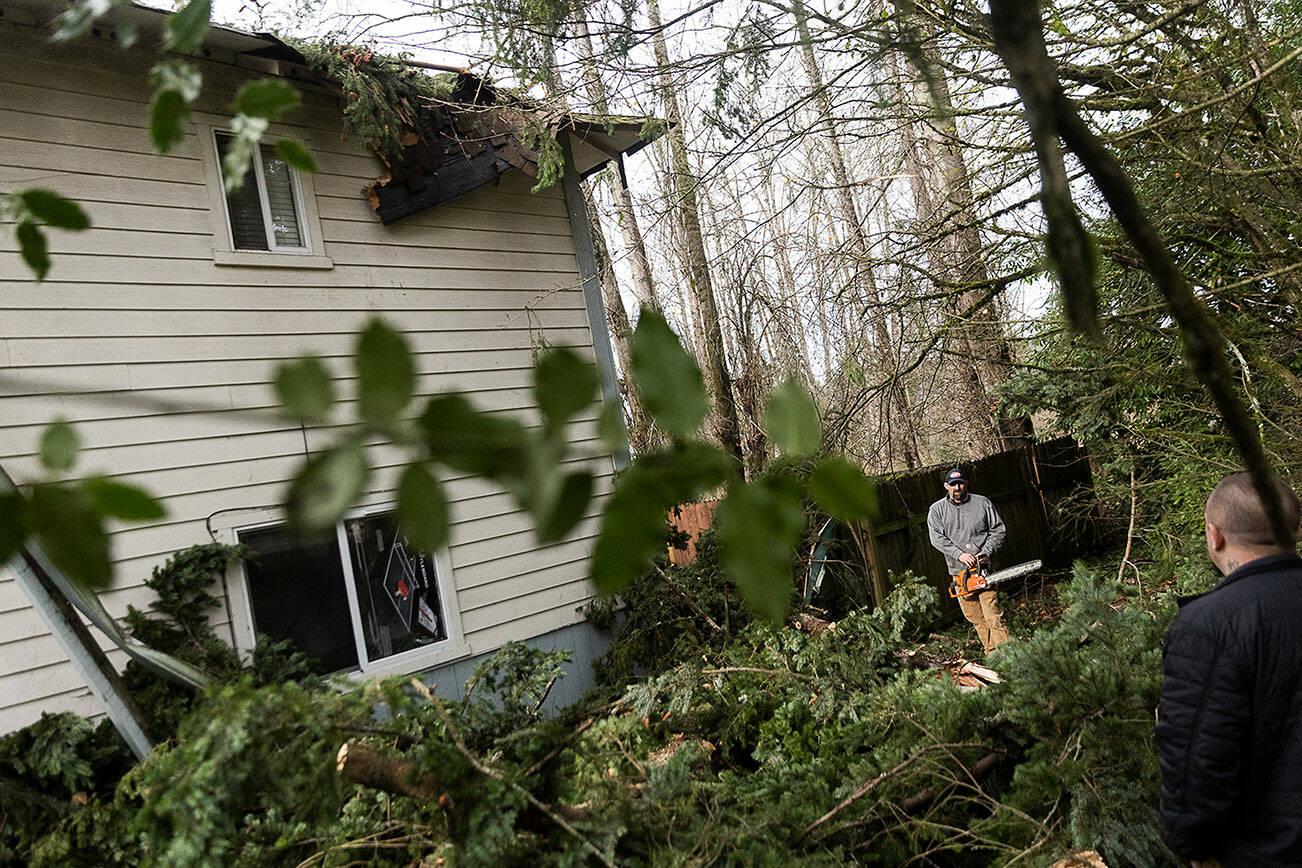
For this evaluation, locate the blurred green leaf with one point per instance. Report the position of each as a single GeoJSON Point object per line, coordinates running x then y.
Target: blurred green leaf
{"type": "Point", "coordinates": [305, 389]}
{"type": "Point", "coordinates": [54, 210]}
{"type": "Point", "coordinates": [121, 501]}
{"type": "Point", "coordinates": [238, 160]}
{"type": "Point", "coordinates": [632, 534]}
{"type": "Point", "coordinates": [610, 427]}
{"type": "Point", "coordinates": [31, 244]}
{"type": "Point", "coordinates": [759, 527]}
{"type": "Point", "coordinates": [386, 374]}
{"type": "Point", "coordinates": [59, 446]}
{"type": "Point", "coordinates": [186, 28]}
{"type": "Point", "coordinates": [633, 523]}
{"type": "Point", "coordinates": [78, 18]}
{"type": "Point", "coordinates": [71, 532]}
{"type": "Point", "coordinates": [791, 419]}
{"type": "Point", "coordinates": [666, 376]}
{"type": "Point", "coordinates": [567, 509]}
{"type": "Point", "coordinates": [176, 84]}
{"type": "Point", "coordinates": [422, 508]}
{"type": "Point", "coordinates": [295, 154]}
{"type": "Point", "coordinates": [471, 441]}
{"type": "Point", "coordinates": [265, 98]}
{"type": "Point", "coordinates": [13, 524]}
{"type": "Point", "coordinates": [168, 117]}
{"type": "Point", "coordinates": [326, 486]}
{"type": "Point", "coordinates": [842, 490]}
{"type": "Point", "coordinates": [564, 383]}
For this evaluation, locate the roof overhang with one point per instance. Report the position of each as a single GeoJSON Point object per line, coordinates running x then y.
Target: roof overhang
{"type": "Point", "coordinates": [596, 142]}
{"type": "Point", "coordinates": [150, 20]}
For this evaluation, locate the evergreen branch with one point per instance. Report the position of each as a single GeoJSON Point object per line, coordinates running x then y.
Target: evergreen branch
{"type": "Point", "coordinates": [493, 773]}
{"type": "Point", "coordinates": [872, 784]}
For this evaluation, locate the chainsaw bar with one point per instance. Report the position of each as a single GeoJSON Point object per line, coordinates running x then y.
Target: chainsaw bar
{"type": "Point", "coordinates": [1013, 572]}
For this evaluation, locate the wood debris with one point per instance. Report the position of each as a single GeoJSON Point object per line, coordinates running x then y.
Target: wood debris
{"type": "Point", "coordinates": [811, 624]}
{"type": "Point", "coordinates": [476, 138]}
{"type": "Point", "coordinates": [966, 674]}
{"type": "Point", "coordinates": [664, 754]}
{"type": "Point", "coordinates": [1082, 859]}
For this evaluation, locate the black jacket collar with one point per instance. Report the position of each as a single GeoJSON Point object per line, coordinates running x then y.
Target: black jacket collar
{"type": "Point", "coordinates": [1251, 568]}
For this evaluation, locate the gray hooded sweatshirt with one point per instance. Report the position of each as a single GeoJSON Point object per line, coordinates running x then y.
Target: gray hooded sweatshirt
{"type": "Point", "coordinates": [972, 526]}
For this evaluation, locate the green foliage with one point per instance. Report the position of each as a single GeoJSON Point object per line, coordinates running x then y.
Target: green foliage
{"type": "Point", "coordinates": [328, 484]}
{"type": "Point", "coordinates": [760, 525]}
{"type": "Point", "coordinates": [59, 446]}
{"type": "Point", "coordinates": [709, 745]}
{"type": "Point", "coordinates": [29, 209]}
{"type": "Point", "coordinates": [565, 384]}
{"type": "Point", "coordinates": [386, 374]}
{"type": "Point", "coordinates": [384, 96]}
{"type": "Point", "coordinates": [842, 491]}
{"type": "Point", "coordinates": [54, 210]}
{"type": "Point", "coordinates": [305, 389]}
{"type": "Point", "coordinates": [178, 622]}
{"type": "Point", "coordinates": [187, 27]}
{"type": "Point", "coordinates": [46, 769]}
{"type": "Point", "coordinates": [293, 153]}
{"type": "Point", "coordinates": [176, 85]}
{"type": "Point", "coordinates": [668, 379]}
{"type": "Point", "coordinates": [424, 507]}
{"type": "Point", "coordinates": [791, 419]}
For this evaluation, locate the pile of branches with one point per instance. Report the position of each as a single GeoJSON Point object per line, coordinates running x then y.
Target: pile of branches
{"type": "Point", "coordinates": [714, 740]}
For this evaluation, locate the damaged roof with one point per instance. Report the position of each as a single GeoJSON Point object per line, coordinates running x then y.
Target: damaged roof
{"type": "Point", "coordinates": [480, 133]}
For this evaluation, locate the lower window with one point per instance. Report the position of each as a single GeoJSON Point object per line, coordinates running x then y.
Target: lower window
{"type": "Point", "coordinates": [348, 599]}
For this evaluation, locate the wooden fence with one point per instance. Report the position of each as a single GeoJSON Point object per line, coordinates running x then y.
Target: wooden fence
{"type": "Point", "coordinates": [692, 519]}
{"type": "Point", "coordinates": [1044, 493]}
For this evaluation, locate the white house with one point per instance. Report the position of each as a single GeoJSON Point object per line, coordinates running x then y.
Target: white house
{"type": "Point", "coordinates": [158, 330]}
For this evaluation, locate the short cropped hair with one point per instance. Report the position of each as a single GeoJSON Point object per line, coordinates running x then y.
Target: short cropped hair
{"type": "Point", "coordinates": [1236, 508]}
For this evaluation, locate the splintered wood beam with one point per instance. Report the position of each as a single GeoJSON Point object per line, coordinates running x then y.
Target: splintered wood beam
{"type": "Point", "coordinates": [455, 177]}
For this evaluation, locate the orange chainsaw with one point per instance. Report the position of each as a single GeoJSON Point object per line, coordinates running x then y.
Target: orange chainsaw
{"type": "Point", "coordinates": [975, 579]}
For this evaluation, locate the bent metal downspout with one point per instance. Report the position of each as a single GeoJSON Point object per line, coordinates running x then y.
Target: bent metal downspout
{"type": "Point", "coordinates": [58, 600]}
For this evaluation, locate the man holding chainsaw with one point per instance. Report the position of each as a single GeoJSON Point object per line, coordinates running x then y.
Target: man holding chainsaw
{"type": "Point", "coordinates": [967, 530]}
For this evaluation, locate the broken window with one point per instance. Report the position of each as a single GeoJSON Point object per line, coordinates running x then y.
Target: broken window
{"type": "Point", "coordinates": [264, 214]}
{"type": "Point", "coordinates": [357, 596]}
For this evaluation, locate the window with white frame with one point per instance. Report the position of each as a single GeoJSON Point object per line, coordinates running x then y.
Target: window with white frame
{"type": "Point", "coordinates": [266, 212]}
{"type": "Point", "coordinates": [352, 599]}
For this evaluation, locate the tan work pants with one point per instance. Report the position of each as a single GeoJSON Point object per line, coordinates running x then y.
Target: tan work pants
{"type": "Point", "coordinates": [982, 610]}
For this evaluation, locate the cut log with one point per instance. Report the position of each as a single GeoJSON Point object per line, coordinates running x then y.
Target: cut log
{"type": "Point", "coordinates": [370, 768]}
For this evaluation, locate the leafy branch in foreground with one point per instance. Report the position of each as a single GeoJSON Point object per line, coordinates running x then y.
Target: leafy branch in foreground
{"type": "Point", "coordinates": [68, 519]}
{"type": "Point", "coordinates": [760, 523]}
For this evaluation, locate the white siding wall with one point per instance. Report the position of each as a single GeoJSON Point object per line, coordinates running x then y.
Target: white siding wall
{"type": "Point", "coordinates": [137, 319]}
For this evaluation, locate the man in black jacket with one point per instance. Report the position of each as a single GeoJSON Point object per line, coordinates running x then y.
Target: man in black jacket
{"type": "Point", "coordinates": [1229, 726]}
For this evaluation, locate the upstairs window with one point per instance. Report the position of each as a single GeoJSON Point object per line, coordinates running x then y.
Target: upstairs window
{"type": "Point", "coordinates": [266, 213]}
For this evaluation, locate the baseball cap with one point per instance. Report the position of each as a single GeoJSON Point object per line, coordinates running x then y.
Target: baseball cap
{"type": "Point", "coordinates": [953, 476]}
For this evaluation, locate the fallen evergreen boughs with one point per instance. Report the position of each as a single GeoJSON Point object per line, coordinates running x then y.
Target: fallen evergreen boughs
{"type": "Point", "coordinates": [745, 745]}
{"type": "Point", "coordinates": [383, 96]}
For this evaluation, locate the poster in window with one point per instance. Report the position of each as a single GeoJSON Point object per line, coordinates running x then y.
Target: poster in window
{"type": "Point", "coordinates": [397, 588]}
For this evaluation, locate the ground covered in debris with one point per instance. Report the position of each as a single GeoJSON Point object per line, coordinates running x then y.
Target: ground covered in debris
{"type": "Point", "coordinates": [856, 740]}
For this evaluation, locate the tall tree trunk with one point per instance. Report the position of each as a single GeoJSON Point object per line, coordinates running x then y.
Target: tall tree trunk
{"type": "Point", "coordinates": [643, 285]}
{"type": "Point", "coordinates": [794, 352]}
{"type": "Point", "coordinates": [981, 356]}
{"type": "Point", "coordinates": [902, 435]}
{"type": "Point", "coordinates": [713, 363]}
{"type": "Point", "coordinates": [642, 434]}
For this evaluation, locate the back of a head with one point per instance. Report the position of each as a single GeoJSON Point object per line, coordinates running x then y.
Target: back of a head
{"type": "Point", "coordinates": [1236, 508]}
